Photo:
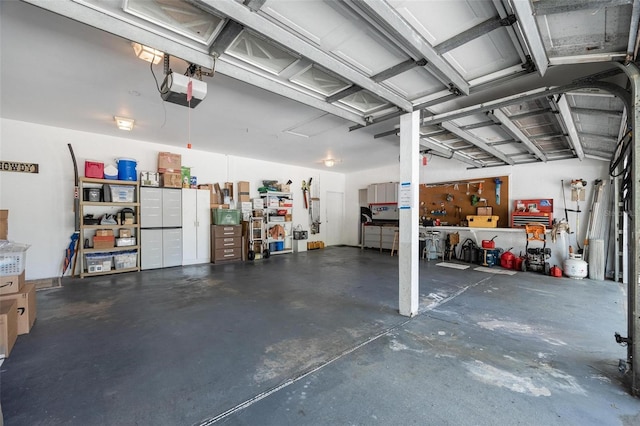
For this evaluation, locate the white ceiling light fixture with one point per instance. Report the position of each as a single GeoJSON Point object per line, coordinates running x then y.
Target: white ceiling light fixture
{"type": "Point", "coordinates": [329, 162]}
{"type": "Point", "coordinates": [124, 123]}
{"type": "Point", "coordinates": [147, 53]}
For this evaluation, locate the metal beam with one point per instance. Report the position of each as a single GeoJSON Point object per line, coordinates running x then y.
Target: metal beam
{"type": "Point", "coordinates": [570, 126]}
{"type": "Point", "coordinates": [477, 142]}
{"type": "Point", "coordinates": [550, 7]}
{"type": "Point", "coordinates": [407, 35]}
{"type": "Point", "coordinates": [229, 33]}
{"type": "Point", "coordinates": [244, 16]}
{"type": "Point", "coordinates": [513, 130]}
{"type": "Point", "coordinates": [618, 91]}
{"type": "Point", "coordinates": [398, 69]}
{"type": "Point", "coordinates": [528, 26]}
{"type": "Point", "coordinates": [254, 5]}
{"type": "Point", "coordinates": [387, 133]}
{"type": "Point", "coordinates": [276, 86]}
{"type": "Point", "coordinates": [473, 33]}
{"type": "Point", "coordinates": [343, 93]}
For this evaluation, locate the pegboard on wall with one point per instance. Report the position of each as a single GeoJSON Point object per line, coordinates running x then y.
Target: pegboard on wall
{"type": "Point", "coordinates": [452, 202]}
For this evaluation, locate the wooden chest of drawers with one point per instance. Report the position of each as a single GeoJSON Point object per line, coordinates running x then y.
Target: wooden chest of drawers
{"type": "Point", "coordinates": [226, 243]}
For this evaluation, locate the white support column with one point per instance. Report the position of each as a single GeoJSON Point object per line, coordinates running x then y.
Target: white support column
{"type": "Point", "coordinates": [408, 200]}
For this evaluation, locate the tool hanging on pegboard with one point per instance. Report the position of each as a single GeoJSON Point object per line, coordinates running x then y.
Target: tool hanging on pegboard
{"type": "Point", "coordinates": [498, 185]}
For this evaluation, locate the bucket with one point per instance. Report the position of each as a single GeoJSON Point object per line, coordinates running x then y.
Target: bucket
{"type": "Point", "coordinates": [127, 169]}
{"type": "Point", "coordinates": [276, 246]}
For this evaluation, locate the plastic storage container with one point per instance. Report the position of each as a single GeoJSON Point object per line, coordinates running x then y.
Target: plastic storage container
{"type": "Point", "coordinates": [276, 246]}
{"type": "Point", "coordinates": [125, 259]}
{"type": "Point", "coordinates": [98, 262]}
{"type": "Point", "coordinates": [94, 169]}
{"type": "Point", "coordinates": [12, 258]}
{"type": "Point", "coordinates": [92, 194]}
{"type": "Point", "coordinates": [225, 216]}
{"type": "Point", "coordinates": [119, 193]}
{"type": "Point", "coordinates": [483, 221]}
{"type": "Point", "coordinates": [127, 169]}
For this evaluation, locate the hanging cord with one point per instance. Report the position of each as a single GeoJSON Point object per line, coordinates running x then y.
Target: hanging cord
{"type": "Point", "coordinates": [623, 155]}
{"type": "Point", "coordinates": [619, 155]}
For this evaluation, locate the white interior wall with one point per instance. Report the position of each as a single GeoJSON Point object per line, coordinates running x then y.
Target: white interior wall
{"type": "Point", "coordinates": [41, 205]}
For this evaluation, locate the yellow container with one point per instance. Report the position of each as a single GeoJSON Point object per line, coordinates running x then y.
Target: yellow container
{"type": "Point", "coordinates": [483, 221]}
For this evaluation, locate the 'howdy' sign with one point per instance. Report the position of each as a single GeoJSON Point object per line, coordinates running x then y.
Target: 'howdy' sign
{"type": "Point", "coordinates": [12, 166]}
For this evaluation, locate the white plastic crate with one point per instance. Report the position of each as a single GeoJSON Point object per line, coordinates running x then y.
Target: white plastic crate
{"type": "Point", "coordinates": [12, 258]}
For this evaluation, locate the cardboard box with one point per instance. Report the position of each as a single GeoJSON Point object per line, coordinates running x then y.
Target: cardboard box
{"type": "Point", "coordinates": [484, 211]}
{"type": "Point", "coordinates": [287, 217]}
{"type": "Point", "coordinates": [219, 206]}
{"type": "Point", "coordinates": [11, 283]}
{"type": "Point", "coordinates": [26, 309]}
{"type": "Point", "coordinates": [169, 162]}
{"type": "Point", "coordinates": [243, 192]}
{"type": "Point", "coordinates": [124, 233]}
{"type": "Point", "coordinates": [104, 242]}
{"type": "Point", "coordinates": [8, 326]}
{"type": "Point", "coordinates": [228, 191]}
{"type": "Point", "coordinates": [4, 224]}
{"type": "Point", "coordinates": [104, 232]}
{"type": "Point", "coordinates": [171, 180]}
{"type": "Point", "coordinates": [216, 194]}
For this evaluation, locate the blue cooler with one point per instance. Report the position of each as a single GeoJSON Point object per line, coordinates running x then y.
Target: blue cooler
{"type": "Point", "coordinates": [127, 169]}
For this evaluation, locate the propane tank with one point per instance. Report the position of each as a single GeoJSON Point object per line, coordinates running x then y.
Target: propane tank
{"type": "Point", "coordinates": [574, 266]}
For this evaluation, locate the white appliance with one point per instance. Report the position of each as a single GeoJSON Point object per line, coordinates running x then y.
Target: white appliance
{"type": "Point", "coordinates": [176, 86]}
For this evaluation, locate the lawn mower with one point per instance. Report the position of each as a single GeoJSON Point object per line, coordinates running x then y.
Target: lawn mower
{"type": "Point", "coordinates": [535, 259]}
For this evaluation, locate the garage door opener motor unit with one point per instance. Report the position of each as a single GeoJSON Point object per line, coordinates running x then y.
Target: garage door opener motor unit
{"type": "Point", "coordinates": [175, 88]}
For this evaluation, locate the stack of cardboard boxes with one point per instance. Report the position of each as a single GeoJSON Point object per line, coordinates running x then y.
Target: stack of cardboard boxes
{"type": "Point", "coordinates": [170, 169]}
{"type": "Point", "coordinates": [17, 299]}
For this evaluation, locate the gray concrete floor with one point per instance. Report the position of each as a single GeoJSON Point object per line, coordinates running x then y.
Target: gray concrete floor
{"type": "Point", "coordinates": [315, 339]}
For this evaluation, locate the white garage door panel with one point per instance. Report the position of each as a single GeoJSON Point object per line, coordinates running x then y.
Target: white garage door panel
{"type": "Point", "coordinates": [347, 37]}
{"type": "Point", "coordinates": [484, 55]}
{"type": "Point", "coordinates": [438, 21]}
{"type": "Point", "coordinates": [414, 83]}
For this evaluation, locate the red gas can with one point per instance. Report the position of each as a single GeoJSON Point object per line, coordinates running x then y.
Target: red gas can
{"type": "Point", "coordinates": [556, 271]}
{"type": "Point", "coordinates": [517, 263]}
{"type": "Point", "coordinates": [507, 259]}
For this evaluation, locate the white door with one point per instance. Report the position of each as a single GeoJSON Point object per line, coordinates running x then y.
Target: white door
{"type": "Point", "coordinates": [203, 222]}
{"type": "Point", "coordinates": [189, 226]}
{"type": "Point", "coordinates": [334, 218]}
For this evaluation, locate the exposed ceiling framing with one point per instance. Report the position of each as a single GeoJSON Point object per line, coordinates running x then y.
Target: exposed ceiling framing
{"type": "Point", "coordinates": [370, 61]}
